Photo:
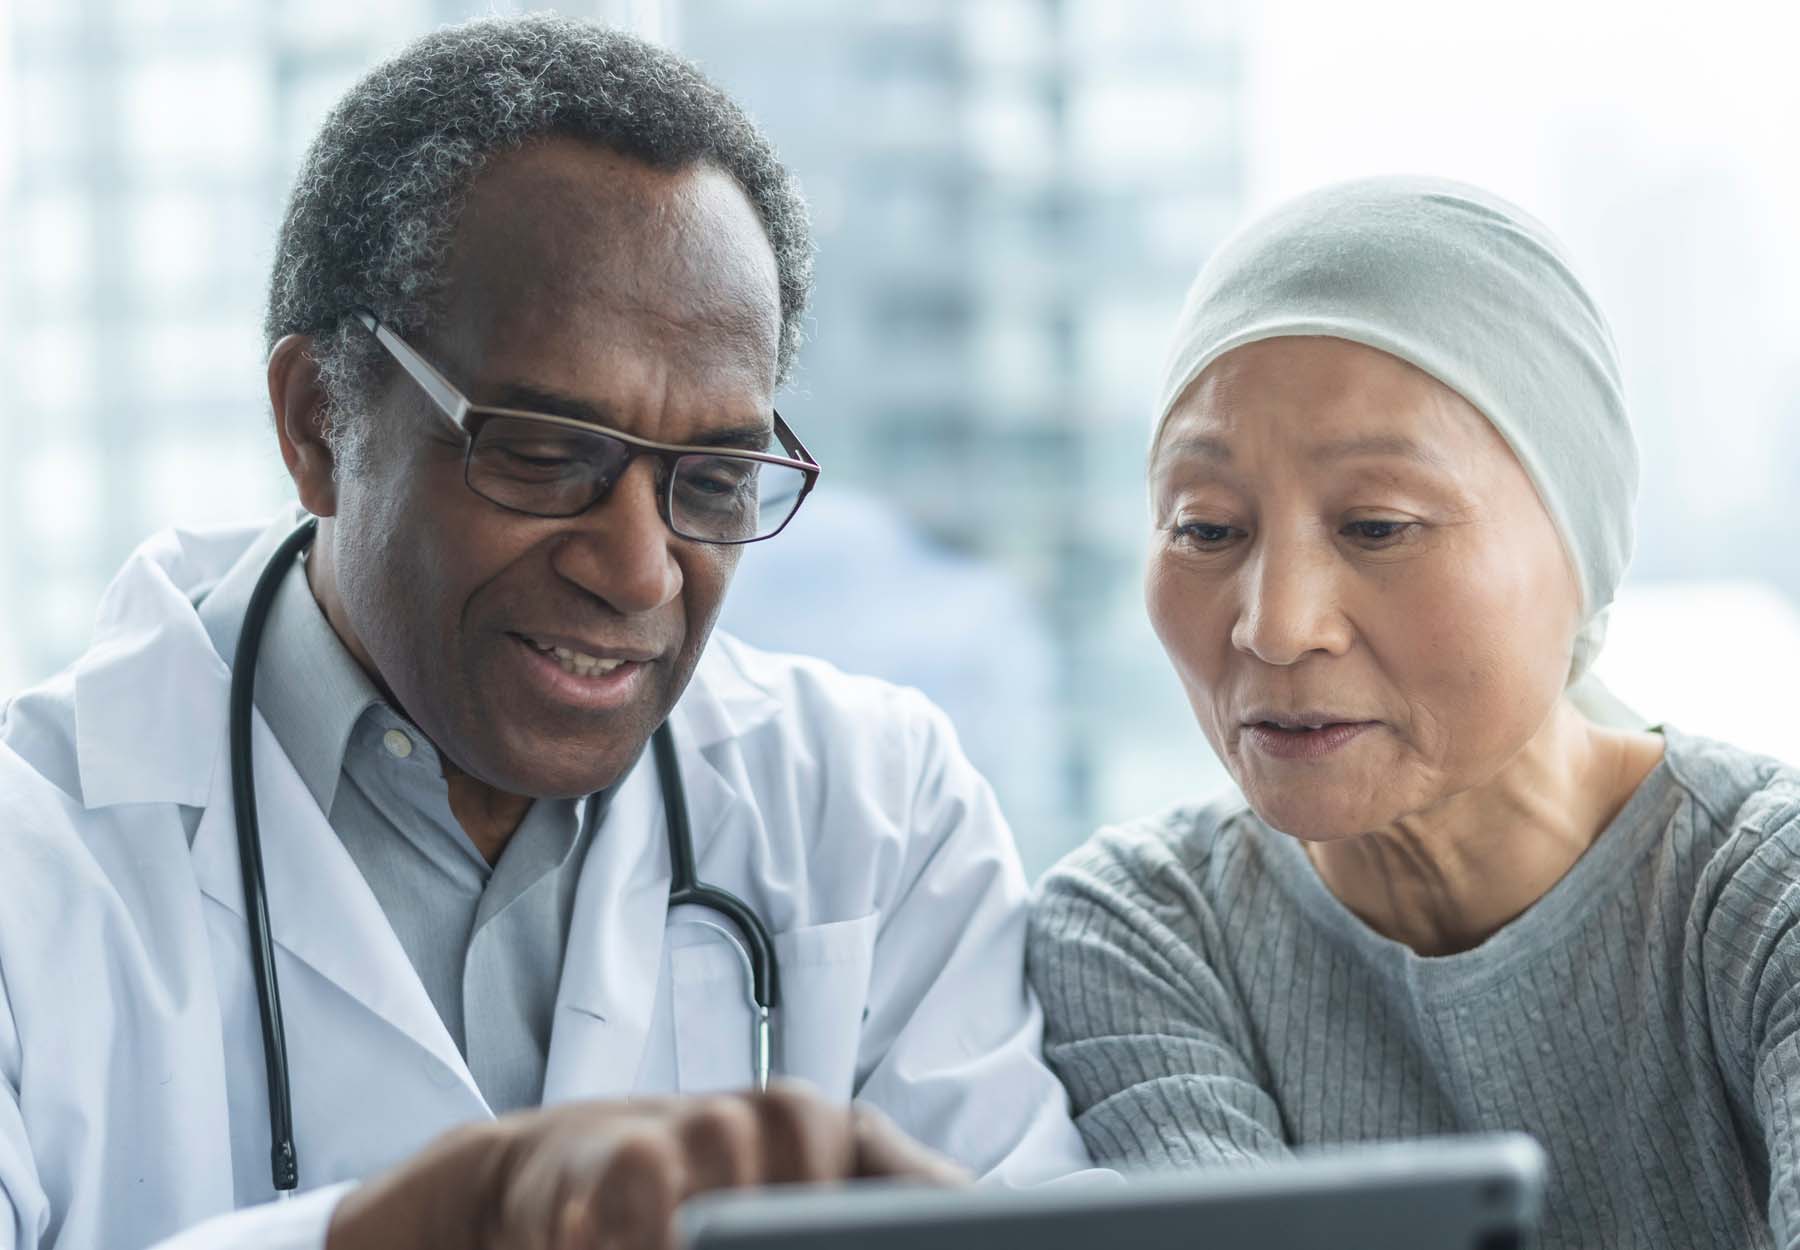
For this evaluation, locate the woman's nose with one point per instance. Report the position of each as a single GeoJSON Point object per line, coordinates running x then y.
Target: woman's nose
{"type": "Point", "coordinates": [1291, 606]}
{"type": "Point", "coordinates": [624, 553]}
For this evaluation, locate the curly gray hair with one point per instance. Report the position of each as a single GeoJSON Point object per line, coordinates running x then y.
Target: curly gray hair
{"type": "Point", "coordinates": [369, 222]}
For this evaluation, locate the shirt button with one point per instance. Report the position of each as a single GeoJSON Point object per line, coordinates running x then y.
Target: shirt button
{"type": "Point", "coordinates": [398, 744]}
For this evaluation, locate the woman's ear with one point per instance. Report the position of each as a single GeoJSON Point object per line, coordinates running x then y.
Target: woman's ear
{"type": "Point", "coordinates": [302, 419]}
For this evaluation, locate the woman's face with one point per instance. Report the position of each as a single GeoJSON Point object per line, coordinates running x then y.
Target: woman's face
{"type": "Point", "coordinates": [1358, 585]}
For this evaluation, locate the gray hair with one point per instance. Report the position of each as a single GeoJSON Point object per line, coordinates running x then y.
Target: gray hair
{"type": "Point", "coordinates": [370, 219]}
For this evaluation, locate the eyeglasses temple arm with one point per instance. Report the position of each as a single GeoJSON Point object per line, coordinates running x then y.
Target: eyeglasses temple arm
{"type": "Point", "coordinates": [450, 401]}
{"type": "Point", "coordinates": [791, 443]}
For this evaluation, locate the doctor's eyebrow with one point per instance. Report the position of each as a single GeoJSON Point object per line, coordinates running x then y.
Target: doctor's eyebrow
{"type": "Point", "coordinates": [530, 398]}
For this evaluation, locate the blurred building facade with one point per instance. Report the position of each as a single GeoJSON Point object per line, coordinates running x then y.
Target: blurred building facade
{"type": "Point", "coordinates": [1011, 198]}
{"type": "Point", "coordinates": [152, 146]}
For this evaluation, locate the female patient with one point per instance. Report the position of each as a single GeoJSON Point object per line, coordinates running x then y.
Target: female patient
{"type": "Point", "coordinates": [1391, 488]}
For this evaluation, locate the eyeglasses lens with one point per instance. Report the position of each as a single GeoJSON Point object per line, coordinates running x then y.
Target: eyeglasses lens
{"type": "Point", "coordinates": [551, 470]}
{"type": "Point", "coordinates": [540, 468]}
{"type": "Point", "coordinates": [725, 499]}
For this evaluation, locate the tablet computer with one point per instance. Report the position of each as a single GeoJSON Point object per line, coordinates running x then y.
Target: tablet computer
{"type": "Point", "coordinates": [1462, 1193]}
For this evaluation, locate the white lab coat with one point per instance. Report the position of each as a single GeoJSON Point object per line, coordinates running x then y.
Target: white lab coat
{"type": "Point", "coordinates": [133, 1104]}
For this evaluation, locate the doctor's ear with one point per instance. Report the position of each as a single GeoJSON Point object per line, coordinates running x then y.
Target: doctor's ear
{"type": "Point", "coordinates": [302, 418]}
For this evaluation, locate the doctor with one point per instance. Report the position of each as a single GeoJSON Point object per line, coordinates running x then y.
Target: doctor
{"type": "Point", "coordinates": [465, 842]}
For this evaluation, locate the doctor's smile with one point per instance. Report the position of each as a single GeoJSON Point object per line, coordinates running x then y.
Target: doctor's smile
{"type": "Point", "coordinates": [591, 677]}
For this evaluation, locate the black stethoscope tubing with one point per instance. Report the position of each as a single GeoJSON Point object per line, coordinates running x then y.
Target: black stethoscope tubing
{"type": "Point", "coordinates": [685, 888]}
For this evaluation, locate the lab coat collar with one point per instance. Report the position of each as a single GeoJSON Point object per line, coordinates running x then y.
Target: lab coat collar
{"type": "Point", "coordinates": [150, 693]}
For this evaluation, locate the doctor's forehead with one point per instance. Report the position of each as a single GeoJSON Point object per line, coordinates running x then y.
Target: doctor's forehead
{"type": "Point", "coordinates": [564, 232]}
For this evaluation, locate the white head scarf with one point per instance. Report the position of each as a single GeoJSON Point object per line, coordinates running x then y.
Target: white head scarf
{"type": "Point", "coordinates": [1480, 296]}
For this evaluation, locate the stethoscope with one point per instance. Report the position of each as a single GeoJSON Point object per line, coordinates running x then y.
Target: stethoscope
{"type": "Point", "coordinates": [751, 941]}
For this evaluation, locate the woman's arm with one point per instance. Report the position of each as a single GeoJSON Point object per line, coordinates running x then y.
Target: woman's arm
{"type": "Point", "coordinates": [1751, 955]}
{"type": "Point", "coordinates": [1142, 1030]}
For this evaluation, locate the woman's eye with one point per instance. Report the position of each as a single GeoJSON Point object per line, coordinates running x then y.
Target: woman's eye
{"type": "Point", "coordinates": [1377, 533]}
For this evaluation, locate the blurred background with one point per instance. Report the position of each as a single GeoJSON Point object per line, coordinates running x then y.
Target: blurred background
{"type": "Point", "coordinates": [1010, 198]}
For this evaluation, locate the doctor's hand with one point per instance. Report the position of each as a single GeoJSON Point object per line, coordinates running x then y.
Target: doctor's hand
{"type": "Point", "coordinates": [581, 1176]}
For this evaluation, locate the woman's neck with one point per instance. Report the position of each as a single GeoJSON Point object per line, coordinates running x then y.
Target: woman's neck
{"type": "Point", "coordinates": [1445, 879]}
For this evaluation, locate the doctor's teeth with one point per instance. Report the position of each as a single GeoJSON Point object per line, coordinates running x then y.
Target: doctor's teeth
{"type": "Point", "coordinates": [579, 664]}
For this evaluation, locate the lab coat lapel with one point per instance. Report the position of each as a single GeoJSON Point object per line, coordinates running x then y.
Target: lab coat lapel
{"type": "Point", "coordinates": [321, 910]}
{"type": "Point", "coordinates": [615, 956]}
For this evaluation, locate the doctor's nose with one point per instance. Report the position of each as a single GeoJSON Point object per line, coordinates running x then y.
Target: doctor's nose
{"type": "Point", "coordinates": [1289, 608]}
{"type": "Point", "coordinates": [621, 550]}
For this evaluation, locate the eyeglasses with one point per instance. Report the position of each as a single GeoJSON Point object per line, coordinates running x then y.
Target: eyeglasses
{"type": "Point", "coordinates": [550, 466]}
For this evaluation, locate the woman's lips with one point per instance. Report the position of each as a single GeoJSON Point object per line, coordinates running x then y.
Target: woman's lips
{"type": "Point", "coordinates": [1304, 743]}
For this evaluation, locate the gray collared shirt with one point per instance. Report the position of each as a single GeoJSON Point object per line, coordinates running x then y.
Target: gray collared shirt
{"type": "Point", "coordinates": [487, 941]}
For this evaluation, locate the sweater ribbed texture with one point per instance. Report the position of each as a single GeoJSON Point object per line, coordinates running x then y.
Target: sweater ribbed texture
{"type": "Point", "coordinates": [1208, 1000]}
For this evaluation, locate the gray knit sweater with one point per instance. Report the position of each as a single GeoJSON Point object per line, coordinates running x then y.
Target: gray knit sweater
{"type": "Point", "coordinates": [1208, 1000]}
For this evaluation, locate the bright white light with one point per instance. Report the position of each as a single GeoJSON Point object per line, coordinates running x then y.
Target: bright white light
{"type": "Point", "coordinates": [1720, 659]}
{"type": "Point", "coordinates": [173, 112]}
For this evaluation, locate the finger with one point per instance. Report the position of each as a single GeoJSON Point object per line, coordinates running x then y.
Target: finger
{"type": "Point", "coordinates": [581, 1174]}
{"type": "Point", "coordinates": [631, 1196]}
{"type": "Point", "coordinates": [531, 1204]}
{"type": "Point", "coordinates": [804, 1138]}
{"type": "Point", "coordinates": [547, 1200]}
{"type": "Point", "coordinates": [575, 1229]}
{"type": "Point", "coordinates": [722, 1140]}
{"type": "Point", "coordinates": [883, 1150]}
